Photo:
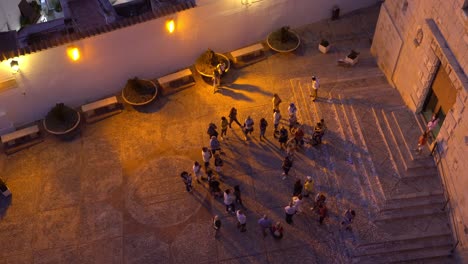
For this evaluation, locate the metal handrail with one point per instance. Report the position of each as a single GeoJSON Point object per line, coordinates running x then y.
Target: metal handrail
{"type": "Point", "coordinates": [436, 154]}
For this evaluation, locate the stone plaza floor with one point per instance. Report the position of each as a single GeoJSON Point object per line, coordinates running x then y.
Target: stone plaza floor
{"type": "Point", "coordinates": [114, 195]}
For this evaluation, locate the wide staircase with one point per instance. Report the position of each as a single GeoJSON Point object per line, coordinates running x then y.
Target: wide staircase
{"type": "Point", "coordinates": [371, 130]}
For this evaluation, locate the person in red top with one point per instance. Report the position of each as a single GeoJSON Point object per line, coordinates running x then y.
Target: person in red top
{"type": "Point", "coordinates": [422, 142]}
{"type": "Point", "coordinates": [277, 231]}
{"type": "Point", "coordinates": [322, 213]}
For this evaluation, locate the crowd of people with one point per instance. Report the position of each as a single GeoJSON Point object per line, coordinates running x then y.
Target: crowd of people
{"type": "Point", "coordinates": [290, 140]}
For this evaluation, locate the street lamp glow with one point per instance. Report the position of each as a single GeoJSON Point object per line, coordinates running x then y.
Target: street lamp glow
{"type": "Point", "coordinates": [170, 25]}
{"type": "Point", "coordinates": [73, 52]}
{"type": "Point", "coordinates": [14, 66]}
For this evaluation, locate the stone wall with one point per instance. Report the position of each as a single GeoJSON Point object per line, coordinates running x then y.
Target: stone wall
{"type": "Point", "coordinates": [147, 50]}
{"type": "Point", "coordinates": [434, 34]}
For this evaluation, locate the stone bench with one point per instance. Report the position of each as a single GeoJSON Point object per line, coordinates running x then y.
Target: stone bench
{"type": "Point", "coordinates": [248, 55]}
{"type": "Point", "coordinates": [101, 109]}
{"type": "Point", "coordinates": [180, 79]}
{"type": "Point", "coordinates": [20, 139]}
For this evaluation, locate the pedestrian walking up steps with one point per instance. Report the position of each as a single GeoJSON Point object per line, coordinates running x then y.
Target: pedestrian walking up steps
{"type": "Point", "coordinates": [418, 202]}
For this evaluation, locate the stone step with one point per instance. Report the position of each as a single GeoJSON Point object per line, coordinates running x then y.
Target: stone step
{"type": "Point", "coordinates": [437, 200]}
{"type": "Point", "coordinates": [415, 243]}
{"type": "Point", "coordinates": [411, 212]}
{"type": "Point", "coordinates": [420, 255]}
{"type": "Point", "coordinates": [399, 141]}
{"type": "Point", "coordinates": [408, 129]}
{"type": "Point", "coordinates": [417, 195]}
{"type": "Point", "coordinates": [360, 155]}
{"type": "Point", "coordinates": [416, 172]}
{"type": "Point", "coordinates": [386, 134]}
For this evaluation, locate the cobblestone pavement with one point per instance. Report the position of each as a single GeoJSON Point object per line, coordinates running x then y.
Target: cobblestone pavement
{"type": "Point", "coordinates": [114, 195]}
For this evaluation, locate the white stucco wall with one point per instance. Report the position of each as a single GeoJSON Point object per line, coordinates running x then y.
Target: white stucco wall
{"type": "Point", "coordinates": [147, 50]}
{"type": "Point", "coordinates": [445, 42]}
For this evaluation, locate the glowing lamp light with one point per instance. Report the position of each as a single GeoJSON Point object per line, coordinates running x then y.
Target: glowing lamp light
{"type": "Point", "coordinates": [73, 52]}
{"type": "Point", "coordinates": [170, 25]}
{"type": "Point", "coordinates": [14, 66]}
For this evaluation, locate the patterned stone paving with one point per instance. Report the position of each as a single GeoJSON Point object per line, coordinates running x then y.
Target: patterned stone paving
{"type": "Point", "coordinates": [114, 195]}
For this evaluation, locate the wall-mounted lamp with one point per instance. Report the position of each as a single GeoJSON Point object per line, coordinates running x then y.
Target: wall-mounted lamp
{"type": "Point", "coordinates": [73, 52]}
{"type": "Point", "coordinates": [170, 25]}
{"type": "Point", "coordinates": [14, 66]}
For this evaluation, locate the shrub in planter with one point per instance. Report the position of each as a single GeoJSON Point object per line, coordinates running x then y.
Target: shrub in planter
{"type": "Point", "coordinates": [352, 57]}
{"type": "Point", "coordinates": [139, 91]}
{"type": "Point", "coordinates": [207, 62]}
{"type": "Point", "coordinates": [324, 46]}
{"type": "Point", "coordinates": [283, 40]}
{"type": "Point", "coordinates": [61, 119]}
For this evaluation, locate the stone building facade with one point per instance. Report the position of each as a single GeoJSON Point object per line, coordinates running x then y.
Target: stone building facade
{"type": "Point", "coordinates": [422, 47]}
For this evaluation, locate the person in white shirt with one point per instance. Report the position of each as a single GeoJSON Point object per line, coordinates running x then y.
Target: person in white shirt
{"type": "Point", "coordinates": [276, 121]}
{"type": "Point", "coordinates": [290, 210]}
{"type": "Point", "coordinates": [206, 155]}
{"type": "Point", "coordinates": [197, 170]}
{"type": "Point", "coordinates": [241, 220]}
{"type": "Point", "coordinates": [229, 201]}
{"type": "Point", "coordinates": [315, 87]}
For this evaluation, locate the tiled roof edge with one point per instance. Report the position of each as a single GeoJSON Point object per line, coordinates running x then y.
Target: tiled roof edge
{"type": "Point", "coordinates": [122, 23]}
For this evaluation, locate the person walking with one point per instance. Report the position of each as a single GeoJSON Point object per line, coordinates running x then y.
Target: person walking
{"type": "Point", "coordinates": [212, 130]}
{"type": "Point", "coordinates": [276, 102]}
{"type": "Point", "coordinates": [224, 127]}
{"type": "Point", "coordinates": [297, 201]}
{"type": "Point", "coordinates": [292, 122]}
{"type": "Point", "coordinates": [187, 178]}
{"type": "Point", "coordinates": [221, 68]}
{"type": "Point", "coordinates": [292, 109]}
{"type": "Point", "coordinates": [286, 165]}
{"type": "Point", "coordinates": [241, 220]}
{"type": "Point", "coordinates": [283, 137]}
{"type": "Point", "coordinates": [315, 87]}
{"type": "Point", "coordinates": [276, 121]}
{"type": "Point", "coordinates": [233, 117]}
{"type": "Point", "coordinates": [308, 186]}
{"type": "Point", "coordinates": [348, 217]}
{"type": "Point", "coordinates": [218, 163]}
{"type": "Point", "coordinates": [299, 136]}
{"type": "Point", "coordinates": [215, 191]}
{"type": "Point", "coordinates": [248, 126]}
{"type": "Point", "coordinates": [265, 224]}
{"type": "Point", "coordinates": [297, 188]}
{"type": "Point", "coordinates": [206, 155]}
{"type": "Point", "coordinates": [229, 201]}
{"type": "Point", "coordinates": [290, 211]}
{"type": "Point", "coordinates": [209, 175]}
{"type": "Point", "coordinates": [214, 145]}
{"type": "Point", "coordinates": [263, 127]}
{"type": "Point", "coordinates": [216, 81]}
{"type": "Point", "coordinates": [237, 195]}
{"type": "Point", "coordinates": [319, 200]}
{"type": "Point", "coordinates": [323, 213]}
{"type": "Point", "coordinates": [277, 230]}
{"type": "Point", "coordinates": [197, 170]}
{"type": "Point", "coordinates": [421, 142]}
{"type": "Point", "coordinates": [216, 225]}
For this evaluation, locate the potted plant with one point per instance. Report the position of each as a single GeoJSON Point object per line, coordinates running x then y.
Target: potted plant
{"type": "Point", "coordinates": [139, 91]}
{"type": "Point", "coordinates": [283, 40]}
{"type": "Point", "coordinates": [62, 121]}
{"type": "Point", "coordinates": [208, 61]}
{"type": "Point", "coordinates": [324, 46]}
{"type": "Point", "coordinates": [352, 57]}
